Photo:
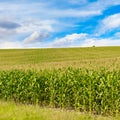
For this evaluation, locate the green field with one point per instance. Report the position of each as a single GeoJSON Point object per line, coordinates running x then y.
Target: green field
{"type": "Point", "coordinates": [93, 57]}
{"type": "Point", "coordinates": [12, 111]}
{"type": "Point", "coordinates": [81, 79]}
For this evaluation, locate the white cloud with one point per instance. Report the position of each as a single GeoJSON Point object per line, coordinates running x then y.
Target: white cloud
{"type": "Point", "coordinates": [47, 10]}
{"type": "Point", "coordinates": [6, 33]}
{"type": "Point", "coordinates": [44, 10]}
{"type": "Point", "coordinates": [107, 42]}
{"type": "Point", "coordinates": [36, 25]}
{"type": "Point", "coordinates": [71, 40]}
{"type": "Point", "coordinates": [112, 21]}
{"type": "Point", "coordinates": [101, 4]}
{"type": "Point", "coordinates": [100, 42]}
{"type": "Point", "coordinates": [76, 13]}
{"type": "Point", "coordinates": [109, 23]}
{"type": "Point", "coordinates": [89, 42]}
{"type": "Point", "coordinates": [35, 37]}
{"type": "Point", "coordinates": [68, 40]}
{"type": "Point", "coordinates": [9, 45]}
{"type": "Point", "coordinates": [84, 40]}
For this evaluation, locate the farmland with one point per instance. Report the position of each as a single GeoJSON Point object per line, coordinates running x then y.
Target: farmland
{"type": "Point", "coordinates": [82, 79]}
{"type": "Point", "coordinates": [94, 57]}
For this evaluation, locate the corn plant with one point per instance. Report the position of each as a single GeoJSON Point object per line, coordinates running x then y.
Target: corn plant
{"type": "Point", "coordinates": [94, 91]}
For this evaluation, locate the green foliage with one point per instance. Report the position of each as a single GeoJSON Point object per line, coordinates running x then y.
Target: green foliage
{"type": "Point", "coordinates": [95, 91]}
{"type": "Point", "coordinates": [12, 111]}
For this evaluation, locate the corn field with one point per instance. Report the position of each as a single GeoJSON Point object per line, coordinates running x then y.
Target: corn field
{"type": "Point", "coordinates": [94, 91]}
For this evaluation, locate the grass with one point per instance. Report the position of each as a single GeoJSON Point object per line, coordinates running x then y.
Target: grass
{"type": "Point", "coordinates": [12, 111]}
{"type": "Point", "coordinates": [93, 57]}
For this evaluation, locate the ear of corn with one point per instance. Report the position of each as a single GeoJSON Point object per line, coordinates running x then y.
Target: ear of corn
{"type": "Point", "coordinates": [80, 89]}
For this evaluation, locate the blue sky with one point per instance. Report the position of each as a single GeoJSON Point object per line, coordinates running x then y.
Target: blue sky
{"type": "Point", "coordinates": [59, 23]}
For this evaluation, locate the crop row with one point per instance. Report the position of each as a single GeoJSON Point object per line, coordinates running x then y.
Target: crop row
{"type": "Point", "coordinates": [95, 91]}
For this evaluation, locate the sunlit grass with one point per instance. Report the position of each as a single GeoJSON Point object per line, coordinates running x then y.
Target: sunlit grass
{"type": "Point", "coordinates": [93, 57]}
{"type": "Point", "coordinates": [12, 111]}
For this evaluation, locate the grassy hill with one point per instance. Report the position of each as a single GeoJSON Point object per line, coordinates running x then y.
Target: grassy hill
{"type": "Point", "coordinates": [93, 57]}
